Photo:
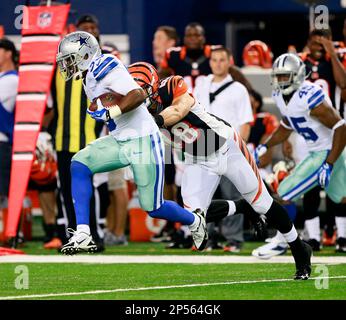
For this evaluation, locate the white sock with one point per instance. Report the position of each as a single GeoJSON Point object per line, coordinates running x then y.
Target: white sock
{"type": "Point", "coordinates": [341, 226]}
{"type": "Point", "coordinates": [279, 237]}
{"type": "Point", "coordinates": [83, 228]}
{"type": "Point", "coordinates": [291, 235]}
{"type": "Point", "coordinates": [313, 228]}
{"type": "Point", "coordinates": [193, 226]}
{"type": "Point", "coordinates": [232, 208]}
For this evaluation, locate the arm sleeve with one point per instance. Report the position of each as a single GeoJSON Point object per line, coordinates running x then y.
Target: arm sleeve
{"type": "Point", "coordinates": [179, 86]}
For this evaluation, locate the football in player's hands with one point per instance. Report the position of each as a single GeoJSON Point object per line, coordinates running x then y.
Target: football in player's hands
{"type": "Point", "coordinates": [108, 100]}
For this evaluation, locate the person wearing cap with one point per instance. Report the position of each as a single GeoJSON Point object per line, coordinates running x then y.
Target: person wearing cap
{"type": "Point", "coordinates": [8, 93]}
{"type": "Point", "coordinates": [89, 23]}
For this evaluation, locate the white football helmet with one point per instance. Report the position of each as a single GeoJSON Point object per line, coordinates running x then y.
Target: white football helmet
{"type": "Point", "coordinates": [293, 67]}
{"type": "Point", "coordinates": [75, 53]}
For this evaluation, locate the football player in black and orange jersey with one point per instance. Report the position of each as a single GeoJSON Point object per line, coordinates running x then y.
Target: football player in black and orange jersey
{"type": "Point", "coordinates": [325, 67]}
{"type": "Point", "coordinates": [340, 94]}
{"type": "Point", "coordinates": [192, 59]}
{"type": "Point", "coordinates": [322, 62]}
{"type": "Point", "coordinates": [212, 148]}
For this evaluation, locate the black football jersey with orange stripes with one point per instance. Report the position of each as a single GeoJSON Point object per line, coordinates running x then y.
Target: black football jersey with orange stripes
{"type": "Point", "coordinates": [188, 63]}
{"type": "Point", "coordinates": [199, 133]}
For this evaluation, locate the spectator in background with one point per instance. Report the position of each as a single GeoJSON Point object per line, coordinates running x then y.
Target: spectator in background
{"type": "Point", "coordinates": [262, 127]}
{"type": "Point", "coordinates": [192, 59]}
{"type": "Point", "coordinates": [165, 37]}
{"type": "Point", "coordinates": [110, 48]}
{"type": "Point", "coordinates": [223, 96]}
{"type": "Point", "coordinates": [89, 23]}
{"type": "Point", "coordinates": [323, 66]}
{"type": "Point", "coordinates": [8, 93]}
{"type": "Point", "coordinates": [228, 100]}
{"type": "Point", "coordinates": [340, 94]}
{"type": "Point", "coordinates": [43, 180]}
{"type": "Point", "coordinates": [257, 53]}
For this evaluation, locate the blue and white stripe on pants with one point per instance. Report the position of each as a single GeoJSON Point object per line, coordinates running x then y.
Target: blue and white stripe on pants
{"type": "Point", "coordinates": [158, 150]}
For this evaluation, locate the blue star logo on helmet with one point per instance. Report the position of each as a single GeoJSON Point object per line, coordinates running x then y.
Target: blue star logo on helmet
{"type": "Point", "coordinates": [83, 41]}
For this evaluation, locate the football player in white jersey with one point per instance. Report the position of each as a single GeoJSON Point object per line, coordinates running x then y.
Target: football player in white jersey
{"type": "Point", "coordinates": [134, 140]}
{"type": "Point", "coordinates": [307, 110]}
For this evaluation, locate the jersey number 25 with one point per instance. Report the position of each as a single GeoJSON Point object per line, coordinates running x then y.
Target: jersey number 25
{"type": "Point", "coordinates": [306, 132]}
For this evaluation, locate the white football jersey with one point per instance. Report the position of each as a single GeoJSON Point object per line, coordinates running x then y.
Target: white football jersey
{"type": "Point", "coordinates": [107, 73]}
{"type": "Point", "coordinates": [297, 113]}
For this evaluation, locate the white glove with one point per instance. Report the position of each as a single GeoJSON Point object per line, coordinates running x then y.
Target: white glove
{"type": "Point", "coordinates": [44, 143]}
{"type": "Point", "coordinates": [259, 152]}
{"type": "Point", "coordinates": [324, 174]}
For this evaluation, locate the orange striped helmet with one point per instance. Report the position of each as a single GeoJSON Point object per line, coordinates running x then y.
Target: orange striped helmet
{"type": "Point", "coordinates": [145, 75]}
{"type": "Point", "coordinates": [257, 53]}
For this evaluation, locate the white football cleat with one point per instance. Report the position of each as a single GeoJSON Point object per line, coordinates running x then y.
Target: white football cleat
{"type": "Point", "coordinates": [200, 234]}
{"type": "Point", "coordinates": [79, 242]}
{"type": "Point", "coordinates": [271, 249]}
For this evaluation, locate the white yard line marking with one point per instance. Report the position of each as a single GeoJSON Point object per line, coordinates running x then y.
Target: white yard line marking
{"type": "Point", "coordinates": [115, 259]}
{"type": "Point", "coordinates": [50, 295]}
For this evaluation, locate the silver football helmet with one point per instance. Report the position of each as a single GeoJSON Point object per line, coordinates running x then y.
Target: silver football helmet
{"type": "Point", "coordinates": [291, 71]}
{"type": "Point", "coordinates": [75, 53]}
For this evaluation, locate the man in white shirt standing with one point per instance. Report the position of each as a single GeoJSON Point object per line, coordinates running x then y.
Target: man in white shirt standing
{"type": "Point", "coordinates": [224, 97]}
{"type": "Point", "coordinates": [230, 101]}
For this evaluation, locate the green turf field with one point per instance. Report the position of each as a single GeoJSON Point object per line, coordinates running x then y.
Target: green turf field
{"type": "Point", "coordinates": [148, 248]}
{"type": "Point", "coordinates": [151, 281]}
{"type": "Point", "coordinates": [47, 279]}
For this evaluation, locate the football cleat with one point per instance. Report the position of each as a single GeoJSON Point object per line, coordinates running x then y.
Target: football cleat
{"type": "Point", "coordinates": [340, 245]}
{"type": "Point", "coordinates": [200, 234]}
{"type": "Point", "coordinates": [271, 249]}
{"type": "Point", "coordinates": [314, 244]}
{"type": "Point", "coordinates": [79, 242]}
{"type": "Point", "coordinates": [303, 262]}
{"type": "Point", "coordinates": [260, 226]}
{"type": "Point", "coordinates": [302, 274]}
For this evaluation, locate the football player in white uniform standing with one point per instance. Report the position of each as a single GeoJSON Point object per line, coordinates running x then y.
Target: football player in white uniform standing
{"type": "Point", "coordinates": [307, 110]}
{"type": "Point", "coordinates": [134, 140]}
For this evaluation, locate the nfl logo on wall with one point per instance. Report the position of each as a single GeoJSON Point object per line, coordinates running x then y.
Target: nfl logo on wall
{"type": "Point", "coordinates": [44, 19]}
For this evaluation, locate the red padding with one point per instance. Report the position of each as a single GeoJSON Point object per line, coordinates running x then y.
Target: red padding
{"type": "Point", "coordinates": [43, 19]}
{"type": "Point", "coordinates": [24, 140]}
{"type": "Point", "coordinates": [41, 81]}
{"type": "Point", "coordinates": [30, 111]}
{"type": "Point", "coordinates": [32, 52]}
{"type": "Point", "coordinates": [20, 172]}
